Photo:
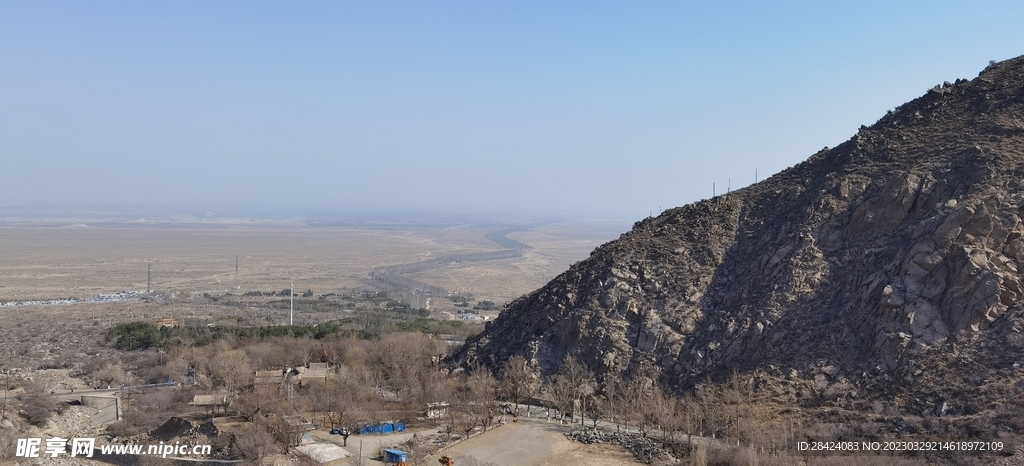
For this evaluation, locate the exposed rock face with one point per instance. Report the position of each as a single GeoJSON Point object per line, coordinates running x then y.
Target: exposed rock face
{"type": "Point", "coordinates": [904, 241]}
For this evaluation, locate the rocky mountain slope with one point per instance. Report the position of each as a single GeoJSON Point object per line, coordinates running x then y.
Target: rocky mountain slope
{"type": "Point", "coordinates": [895, 256]}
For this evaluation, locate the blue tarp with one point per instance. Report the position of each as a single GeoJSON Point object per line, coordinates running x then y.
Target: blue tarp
{"type": "Point", "coordinates": [385, 428]}
{"type": "Point", "coordinates": [395, 456]}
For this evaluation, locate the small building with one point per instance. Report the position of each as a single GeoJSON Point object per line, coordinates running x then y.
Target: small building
{"type": "Point", "coordinates": [316, 372]}
{"type": "Point", "coordinates": [395, 456]}
{"type": "Point", "coordinates": [168, 322]}
{"type": "Point", "coordinates": [383, 428]}
{"type": "Point", "coordinates": [451, 340]}
{"type": "Point", "coordinates": [212, 402]}
{"type": "Point", "coordinates": [437, 410]}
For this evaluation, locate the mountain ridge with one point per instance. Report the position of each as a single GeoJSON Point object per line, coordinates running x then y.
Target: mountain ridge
{"type": "Point", "coordinates": [892, 254]}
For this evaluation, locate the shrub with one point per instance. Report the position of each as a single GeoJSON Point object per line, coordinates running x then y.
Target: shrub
{"type": "Point", "coordinates": [135, 336]}
{"type": "Point", "coordinates": [37, 409]}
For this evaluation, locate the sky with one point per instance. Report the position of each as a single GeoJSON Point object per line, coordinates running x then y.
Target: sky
{"type": "Point", "coordinates": [587, 109]}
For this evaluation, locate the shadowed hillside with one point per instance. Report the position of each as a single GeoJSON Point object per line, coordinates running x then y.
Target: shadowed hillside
{"type": "Point", "coordinates": [887, 265]}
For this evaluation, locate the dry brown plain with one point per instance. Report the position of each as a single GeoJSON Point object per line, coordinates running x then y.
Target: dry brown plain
{"type": "Point", "coordinates": [45, 262]}
{"type": "Point", "coordinates": [555, 248]}
{"type": "Point", "coordinates": [50, 261]}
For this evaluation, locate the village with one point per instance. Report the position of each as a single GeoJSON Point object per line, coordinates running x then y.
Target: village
{"type": "Point", "coordinates": [369, 388]}
{"type": "Point", "coordinates": [303, 413]}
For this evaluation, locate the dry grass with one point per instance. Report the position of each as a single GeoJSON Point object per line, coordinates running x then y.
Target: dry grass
{"type": "Point", "coordinates": [55, 262]}
{"type": "Point", "coordinates": [555, 248]}
{"type": "Point", "coordinates": [45, 263]}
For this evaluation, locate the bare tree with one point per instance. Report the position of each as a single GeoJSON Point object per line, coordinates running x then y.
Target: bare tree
{"type": "Point", "coordinates": [256, 404]}
{"type": "Point", "coordinates": [713, 416]}
{"type": "Point", "coordinates": [147, 410]}
{"type": "Point", "coordinates": [631, 392]}
{"type": "Point", "coordinates": [561, 392]}
{"type": "Point", "coordinates": [232, 369]}
{"type": "Point", "coordinates": [36, 405]}
{"type": "Point", "coordinates": [613, 400]}
{"type": "Point", "coordinates": [37, 409]}
{"type": "Point", "coordinates": [642, 402]}
{"type": "Point", "coordinates": [427, 386]}
{"type": "Point", "coordinates": [419, 452]}
{"type": "Point", "coordinates": [345, 396]}
{"type": "Point", "coordinates": [110, 375]}
{"type": "Point", "coordinates": [665, 415]}
{"type": "Point", "coordinates": [518, 380]}
{"type": "Point", "coordinates": [690, 418]}
{"type": "Point", "coordinates": [596, 407]}
{"type": "Point", "coordinates": [266, 355]}
{"type": "Point", "coordinates": [482, 389]}
{"type": "Point", "coordinates": [176, 368]}
{"type": "Point", "coordinates": [465, 394]}
{"type": "Point", "coordinates": [400, 359]}
{"type": "Point", "coordinates": [295, 351]}
{"type": "Point", "coordinates": [319, 396]}
{"type": "Point", "coordinates": [572, 386]}
{"type": "Point", "coordinates": [286, 425]}
{"type": "Point", "coordinates": [254, 443]}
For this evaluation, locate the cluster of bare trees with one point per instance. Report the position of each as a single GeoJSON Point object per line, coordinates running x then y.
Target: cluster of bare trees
{"type": "Point", "coordinates": [519, 382]}
{"type": "Point", "coordinates": [389, 379]}
{"type": "Point", "coordinates": [636, 402]}
{"type": "Point", "coordinates": [36, 409]}
{"type": "Point", "coordinates": [470, 398]}
{"type": "Point", "coordinates": [395, 377]}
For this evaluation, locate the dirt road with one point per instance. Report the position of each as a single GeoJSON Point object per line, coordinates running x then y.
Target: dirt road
{"type": "Point", "coordinates": [537, 443]}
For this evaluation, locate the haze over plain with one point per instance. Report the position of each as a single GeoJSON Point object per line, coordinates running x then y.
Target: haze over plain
{"type": "Point", "coordinates": [582, 109]}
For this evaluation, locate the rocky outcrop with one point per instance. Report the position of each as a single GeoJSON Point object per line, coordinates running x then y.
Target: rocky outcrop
{"type": "Point", "coordinates": [642, 447]}
{"type": "Point", "coordinates": [904, 241]}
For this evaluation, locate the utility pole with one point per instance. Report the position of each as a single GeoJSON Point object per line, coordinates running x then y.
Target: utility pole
{"type": "Point", "coordinates": [7, 388]}
{"type": "Point", "coordinates": [236, 271]}
{"type": "Point", "coordinates": [291, 305]}
{"type": "Point", "coordinates": [149, 278]}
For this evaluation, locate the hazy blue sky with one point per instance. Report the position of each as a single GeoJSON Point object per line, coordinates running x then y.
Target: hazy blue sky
{"type": "Point", "coordinates": [587, 108]}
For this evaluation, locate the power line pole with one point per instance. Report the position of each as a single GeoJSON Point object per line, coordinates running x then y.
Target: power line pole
{"type": "Point", "coordinates": [236, 271]}
{"type": "Point", "coordinates": [7, 388]}
{"type": "Point", "coordinates": [291, 305]}
{"type": "Point", "coordinates": [149, 278]}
